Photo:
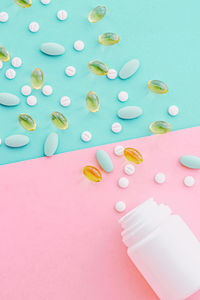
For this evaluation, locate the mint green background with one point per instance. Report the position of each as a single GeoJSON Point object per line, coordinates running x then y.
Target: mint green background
{"type": "Point", "coordinates": [163, 35]}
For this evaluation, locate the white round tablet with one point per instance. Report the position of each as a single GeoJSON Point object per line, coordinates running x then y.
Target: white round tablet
{"type": "Point", "coordinates": [34, 27]}
{"type": "Point", "coordinates": [173, 110]}
{"type": "Point", "coordinates": [189, 181]}
{"type": "Point", "coordinates": [0, 141]}
{"type": "Point", "coordinates": [3, 17]}
{"type": "Point", "coordinates": [120, 206]}
{"type": "Point", "coordinates": [10, 74]}
{"type": "Point", "coordinates": [26, 90]}
{"type": "Point", "coordinates": [123, 182]}
{"type": "Point", "coordinates": [1, 64]}
{"type": "Point", "coordinates": [47, 90]}
{"type": "Point", "coordinates": [70, 71]}
{"type": "Point", "coordinates": [31, 100]}
{"type": "Point", "coordinates": [129, 169]}
{"type": "Point", "coordinates": [160, 178]}
{"type": "Point", "coordinates": [123, 96]}
{"type": "Point", "coordinates": [45, 2]}
{"type": "Point", "coordinates": [62, 15]}
{"type": "Point", "coordinates": [86, 136]}
{"type": "Point", "coordinates": [65, 101]}
{"type": "Point", "coordinates": [79, 45]}
{"type": "Point", "coordinates": [112, 74]}
{"type": "Point", "coordinates": [119, 150]}
{"type": "Point", "coordinates": [16, 62]}
{"type": "Point", "coordinates": [116, 127]}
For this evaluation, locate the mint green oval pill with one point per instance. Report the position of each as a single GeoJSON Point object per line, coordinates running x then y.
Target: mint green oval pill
{"type": "Point", "coordinates": [52, 49]}
{"type": "Point", "coordinates": [129, 112]}
{"type": "Point", "coordinates": [129, 69]}
{"type": "Point", "coordinates": [51, 144]}
{"type": "Point", "coordinates": [104, 161]}
{"type": "Point", "coordinates": [8, 99]}
{"type": "Point", "coordinates": [190, 161]}
{"type": "Point", "coordinates": [17, 140]}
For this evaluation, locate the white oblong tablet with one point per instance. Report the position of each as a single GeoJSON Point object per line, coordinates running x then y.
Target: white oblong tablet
{"type": "Point", "coordinates": [129, 69]}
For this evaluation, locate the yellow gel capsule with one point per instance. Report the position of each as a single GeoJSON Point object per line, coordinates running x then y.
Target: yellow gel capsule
{"type": "Point", "coordinates": [37, 79]}
{"type": "Point", "coordinates": [98, 68]}
{"type": "Point", "coordinates": [27, 122]}
{"type": "Point", "coordinates": [160, 127]}
{"type": "Point", "coordinates": [108, 39]}
{"type": "Point", "coordinates": [23, 3]}
{"type": "Point", "coordinates": [157, 86]}
{"type": "Point", "coordinates": [92, 102]}
{"type": "Point", "coordinates": [4, 55]}
{"type": "Point", "coordinates": [92, 173]}
{"type": "Point", "coordinates": [97, 14]}
{"type": "Point", "coordinates": [59, 120]}
{"type": "Point", "coordinates": [133, 155]}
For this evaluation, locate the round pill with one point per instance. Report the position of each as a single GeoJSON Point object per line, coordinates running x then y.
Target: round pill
{"type": "Point", "coordinates": [26, 90]}
{"type": "Point", "coordinates": [119, 150]}
{"type": "Point", "coordinates": [86, 136]}
{"type": "Point", "coordinates": [65, 101]}
{"type": "Point", "coordinates": [189, 181]}
{"type": "Point", "coordinates": [62, 15]}
{"type": "Point", "coordinates": [34, 27]}
{"type": "Point", "coordinates": [79, 45]}
{"type": "Point", "coordinates": [116, 127]}
{"type": "Point", "coordinates": [123, 96]}
{"type": "Point", "coordinates": [1, 64]}
{"type": "Point", "coordinates": [0, 141]}
{"type": "Point", "coordinates": [120, 206]}
{"type": "Point", "coordinates": [123, 182]}
{"type": "Point", "coordinates": [10, 73]}
{"type": "Point", "coordinates": [47, 90]}
{"type": "Point", "coordinates": [70, 71]}
{"type": "Point", "coordinates": [3, 17]}
{"type": "Point", "coordinates": [173, 110]}
{"type": "Point", "coordinates": [16, 62]}
{"type": "Point", "coordinates": [45, 2]}
{"type": "Point", "coordinates": [160, 178]}
{"type": "Point", "coordinates": [129, 169]}
{"type": "Point", "coordinates": [112, 74]}
{"type": "Point", "coordinates": [31, 100]}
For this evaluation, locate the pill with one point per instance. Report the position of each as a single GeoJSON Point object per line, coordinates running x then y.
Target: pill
{"type": "Point", "coordinates": [160, 178]}
{"type": "Point", "coordinates": [173, 110]}
{"type": "Point", "coordinates": [4, 54]}
{"type": "Point", "coordinates": [157, 86]}
{"type": "Point", "coordinates": [120, 206]}
{"type": "Point", "coordinates": [112, 74]}
{"type": "Point", "coordinates": [86, 136]}
{"type": "Point", "coordinates": [1, 64]}
{"type": "Point", "coordinates": [34, 27]}
{"type": "Point", "coordinates": [16, 141]}
{"type": "Point", "coordinates": [108, 39]}
{"type": "Point", "coordinates": [8, 99]}
{"type": "Point", "coordinates": [133, 155]}
{"type": "Point", "coordinates": [3, 16]}
{"type": "Point", "coordinates": [45, 2]}
{"type": "Point", "coordinates": [52, 49]}
{"type": "Point", "coordinates": [26, 90]}
{"type": "Point", "coordinates": [51, 144]}
{"type": "Point", "coordinates": [97, 14]}
{"type": "Point", "coordinates": [47, 90]}
{"type": "Point", "coordinates": [123, 96]}
{"type": "Point", "coordinates": [92, 102]}
{"type": "Point", "coordinates": [79, 45]}
{"type": "Point", "coordinates": [37, 79]}
{"type": "Point", "coordinates": [70, 71]}
{"type": "Point", "coordinates": [16, 62]}
{"type": "Point", "coordinates": [27, 122]}
{"type": "Point", "coordinates": [98, 68]}
{"type": "Point", "coordinates": [31, 100]}
{"type": "Point", "coordinates": [59, 120]}
{"type": "Point", "coordinates": [129, 169]}
{"type": "Point", "coordinates": [0, 141]}
{"type": "Point", "coordinates": [10, 74]}
{"type": "Point", "coordinates": [129, 69]}
{"type": "Point", "coordinates": [65, 101]}
{"type": "Point", "coordinates": [129, 112]}
{"type": "Point", "coordinates": [116, 127]}
{"type": "Point", "coordinates": [92, 173]}
{"type": "Point", "coordinates": [123, 182]}
{"type": "Point", "coordinates": [23, 3]}
{"type": "Point", "coordinates": [189, 181]}
{"type": "Point", "coordinates": [62, 15]}
{"type": "Point", "coordinates": [160, 127]}
{"type": "Point", "coordinates": [104, 161]}
{"type": "Point", "coordinates": [119, 150]}
{"type": "Point", "coordinates": [190, 161]}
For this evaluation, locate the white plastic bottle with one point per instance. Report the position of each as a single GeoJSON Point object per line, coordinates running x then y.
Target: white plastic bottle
{"type": "Point", "coordinates": [164, 250]}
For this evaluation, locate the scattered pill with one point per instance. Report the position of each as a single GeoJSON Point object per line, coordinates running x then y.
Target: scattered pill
{"type": "Point", "coordinates": [112, 74]}
{"type": "Point", "coordinates": [159, 127]}
{"type": "Point", "coordinates": [3, 16]}
{"type": "Point", "coordinates": [173, 110]}
{"type": "Point", "coordinates": [123, 182]}
{"type": "Point", "coordinates": [31, 100]}
{"type": "Point", "coordinates": [86, 136]}
{"type": "Point", "coordinates": [160, 178]}
{"type": "Point", "coordinates": [116, 127]}
{"type": "Point", "coordinates": [130, 112]}
{"type": "Point", "coordinates": [8, 99]}
{"type": "Point", "coordinates": [129, 169]}
{"type": "Point", "coordinates": [98, 68]}
{"type": "Point", "coordinates": [27, 122]}
{"type": "Point", "coordinates": [52, 49]}
{"type": "Point", "coordinates": [37, 79]}
{"type": "Point", "coordinates": [4, 54]}
{"type": "Point", "coordinates": [92, 173]}
{"type": "Point", "coordinates": [16, 141]}
{"type": "Point", "coordinates": [62, 15]}
{"type": "Point", "coordinates": [92, 102]}
{"type": "Point", "coordinates": [1, 64]}
{"type": "Point", "coordinates": [23, 3]}
{"type": "Point", "coordinates": [119, 150]}
{"type": "Point", "coordinates": [123, 96]}
{"type": "Point", "coordinates": [104, 161]}
{"type": "Point", "coordinates": [26, 90]}
{"type": "Point", "coordinates": [59, 120]}
{"type": "Point", "coordinates": [190, 161]}
{"type": "Point", "coordinates": [65, 101]}
{"type": "Point", "coordinates": [47, 90]}
{"type": "Point", "coordinates": [97, 14]}
{"type": "Point", "coordinates": [129, 69]}
{"type": "Point", "coordinates": [108, 39]}
{"type": "Point", "coordinates": [10, 74]}
{"type": "Point", "coordinates": [70, 71]}
{"type": "Point", "coordinates": [79, 45]}
{"type": "Point", "coordinates": [34, 27]}
{"type": "Point", "coordinates": [51, 144]}
{"type": "Point", "coordinates": [189, 181]}
{"type": "Point", "coordinates": [0, 141]}
{"type": "Point", "coordinates": [133, 155]}
{"type": "Point", "coordinates": [16, 62]}
{"type": "Point", "coordinates": [120, 206]}
{"type": "Point", "coordinates": [157, 86]}
{"type": "Point", "coordinates": [45, 2]}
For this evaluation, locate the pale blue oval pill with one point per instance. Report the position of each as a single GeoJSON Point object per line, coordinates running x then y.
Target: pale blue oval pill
{"type": "Point", "coordinates": [17, 140]}
{"type": "Point", "coordinates": [129, 112]}
{"type": "Point", "coordinates": [190, 161]}
{"type": "Point", "coordinates": [51, 144]}
{"type": "Point", "coordinates": [129, 69]}
{"type": "Point", "coordinates": [104, 161]}
{"type": "Point", "coordinates": [8, 99]}
{"type": "Point", "coordinates": [52, 49]}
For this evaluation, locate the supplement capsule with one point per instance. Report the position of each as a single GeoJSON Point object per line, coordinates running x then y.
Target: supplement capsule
{"type": "Point", "coordinates": [98, 68]}
{"type": "Point", "coordinates": [160, 127]}
{"type": "Point", "coordinates": [108, 39]}
{"type": "Point", "coordinates": [27, 122]}
{"type": "Point", "coordinates": [157, 86]}
{"type": "Point", "coordinates": [97, 14]}
{"type": "Point", "coordinates": [92, 102]}
{"type": "Point", "coordinates": [4, 55]}
{"type": "Point", "coordinates": [37, 79]}
{"type": "Point", "coordinates": [92, 173]}
{"type": "Point", "coordinates": [59, 120]}
{"type": "Point", "coordinates": [23, 3]}
{"type": "Point", "coordinates": [133, 155]}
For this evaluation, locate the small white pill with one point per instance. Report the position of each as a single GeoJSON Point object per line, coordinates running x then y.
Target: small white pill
{"type": "Point", "coordinates": [173, 110]}
{"type": "Point", "coordinates": [16, 62]}
{"type": "Point", "coordinates": [1, 64]}
{"type": "Point", "coordinates": [70, 71]}
{"type": "Point", "coordinates": [45, 2]}
{"type": "Point", "coordinates": [189, 181]}
{"type": "Point", "coordinates": [116, 127]}
{"type": "Point", "coordinates": [3, 17]}
{"type": "Point", "coordinates": [79, 45]}
{"type": "Point", "coordinates": [31, 100]}
{"type": "Point", "coordinates": [129, 169]}
{"type": "Point", "coordinates": [47, 90]}
{"type": "Point", "coordinates": [160, 178]}
{"type": "Point", "coordinates": [119, 150]}
{"type": "Point", "coordinates": [62, 15]}
{"type": "Point", "coordinates": [123, 96]}
{"type": "Point", "coordinates": [65, 101]}
{"type": "Point", "coordinates": [26, 90]}
{"type": "Point", "coordinates": [86, 136]}
{"type": "Point", "coordinates": [123, 182]}
{"type": "Point", "coordinates": [112, 74]}
{"type": "Point", "coordinates": [10, 74]}
{"type": "Point", "coordinates": [0, 141]}
{"type": "Point", "coordinates": [120, 206]}
{"type": "Point", "coordinates": [34, 27]}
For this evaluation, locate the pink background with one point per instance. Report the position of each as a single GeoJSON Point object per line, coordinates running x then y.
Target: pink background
{"type": "Point", "coordinates": [60, 237]}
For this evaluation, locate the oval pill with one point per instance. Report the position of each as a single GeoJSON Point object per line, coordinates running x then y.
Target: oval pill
{"type": "Point", "coordinates": [104, 161]}
{"type": "Point", "coordinates": [23, 3]}
{"type": "Point", "coordinates": [8, 99]}
{"type": "Point", "coordinates": [133, 155]}
{"type": "Point", "coordinates": [160, 127]}
{"type": "Point", "coordinates": [97, 14]}
{"type": "Point", "coordinates": [129, 69]}
{"type": "Point", "coordinates": [92, 102]}
{"type": "Point", "coordinates": [16, 141]}
{"type": "Point", "coordinates": [52, 49]}
{"type": "Point", "coordinates": [108, 39]}
{"type": "Point", "coordinates": [37, 79]}
{"type": "Point", "coordinates": [157, 86]}
{"type": "Point", "coordinates": [4, 54]}
{"type": "Point", "coordinates": [129, 112]}
{"type": "Point", "coordinates": [98, 68]}
{"type": "Point", "coordinates": [27, 122]}
{"type": "Point", "coordinates": [190, 161]}
{"type": "Point", "coordinates": [92, 173]}
{"type": "Point", "coordinates": [59, 120]}
{"type": "Point", "coordinates": [51, 144]}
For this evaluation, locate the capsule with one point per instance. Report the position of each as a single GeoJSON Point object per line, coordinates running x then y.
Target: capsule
{"type": "Point", "coordinates": [92, 173]}
{"type": "Point", "coordinates": [4, 55]}
{"type": "Point", "coordinates": [108, 39]}
{"type": "Point", "coordinates": [98, 68]}
{"type": "Point", "coordinates": [23, 3]}
{"type": "Point", "coordinates": [27, 122]}
{"type": "Point", "coordinates": [97, 14]}
{"type": "Point", "coordinates": [37, 79]}
{"type": "Point", "coordinates": [59, 120]}
{"type": "Point", "coordinates": [160, 127]}
{"type": "Point", "coordinates": [133, 155]}
{"type": "Point", "coordinates": [92, 102]}
{"type": "Point", "coordinates": [157, 86]}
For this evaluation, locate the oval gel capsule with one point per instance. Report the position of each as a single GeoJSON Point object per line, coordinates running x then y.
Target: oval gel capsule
{"type": "Point", "coordinates": [133, 155]}
{"type": "Point", "coordinates": [4, 54]}
{"type": "Point", "coordinates": [108, 39]}
{"type": "Point", "coordinates": [157, 86]}
{"type": "Point", "coordinates": [92, 102]}
{"type": "Point", "coordinates": [37, 79]}
{"type": "Point", "coordinates": [27, 122]}
{"type": "Point", "coordinates": [97, 14]}
{"type": "Point", "coordinates": [160, 127]}
{"type": "Point", "coordinates": [59, 120]}
{"type": "Point", "coordinates": [92, 173]}
{"type": "Point", "coordinates": [23, 3]}
{"type": "Point", "coordinates": [98, 68]}
{"type": "Point", "coordinates": [104, 161]}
